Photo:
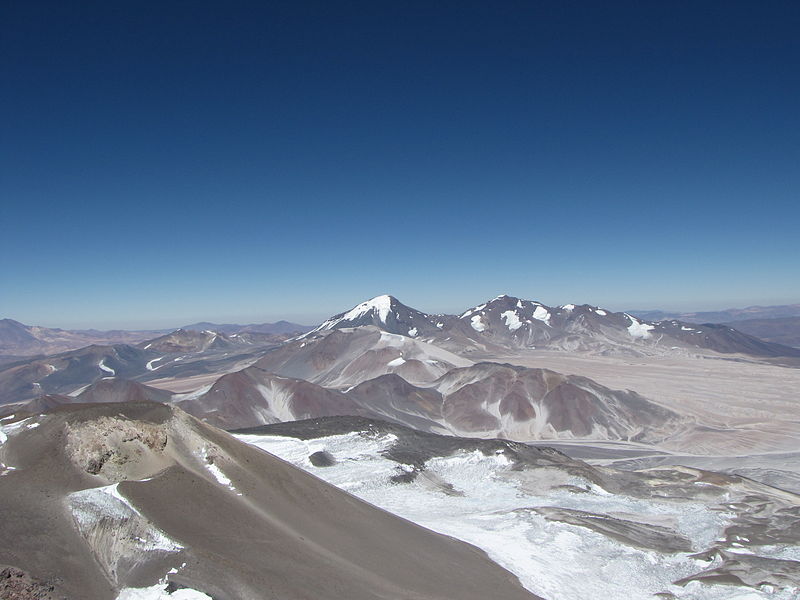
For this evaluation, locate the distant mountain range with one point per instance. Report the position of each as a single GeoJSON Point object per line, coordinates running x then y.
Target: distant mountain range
{"type": "Point", "coordinates": [730, 315]}
{"type": "Point", "coordinates": [780, 330]}
{"type": "Point", "coordinates": [506, 323]}
{"type": "Point", "coordinates": [181, 353]}
{"type": "Point", "coordinates": [777, 324]}
{"type": "Point", "coordinates": [17, 339]}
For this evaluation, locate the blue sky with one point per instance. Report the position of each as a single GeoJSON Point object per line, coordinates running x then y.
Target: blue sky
{"type": "Point", "coordinates": [252, 161]}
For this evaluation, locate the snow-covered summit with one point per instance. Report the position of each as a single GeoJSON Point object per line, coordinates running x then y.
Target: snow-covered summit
{"type": "Point", "coordinates": [387, 313]}
{"type": "Point", "coordinates": [382, 305]}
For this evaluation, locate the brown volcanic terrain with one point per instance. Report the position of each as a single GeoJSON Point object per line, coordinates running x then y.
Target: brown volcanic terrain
{"type": "Point", "coordinates": [483, 400]}
{"type": "Point", "coordinates": [254, 396]}
{"type": "Point", "coordinates": [98, 498]}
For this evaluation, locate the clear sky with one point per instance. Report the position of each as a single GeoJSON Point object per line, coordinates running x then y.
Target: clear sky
{"type": "Point", "coordinates": [166, 162]}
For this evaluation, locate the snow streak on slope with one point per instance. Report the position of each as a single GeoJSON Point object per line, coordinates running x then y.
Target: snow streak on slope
{"type": "Point", "coordinates": [478, 499]}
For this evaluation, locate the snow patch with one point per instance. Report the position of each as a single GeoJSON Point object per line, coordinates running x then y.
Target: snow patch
{"type": "Point", "coordinates": [105, 368]}
{"type": "Point", "coordinates": [477, 323]}
{"type": "Point", "coordinates": [512, 320]}
{"type": "Point", "coordinates": [159, 592]}
{"type": "Point", "coordinates": [15, 428]}
{"type": "Point", "coordinates": [473, 310]}
{"type": "Point", "coordinates": [381, 304]}
{"type": "Point", "coordinates": [492, 510]}
{"type": "Point", "coordinates": [600, 312]}
{"type": "Point", "coordinates": [637, 329]}
{"type": "Point", "coordinates": [542, 314]}
{"type": "Point", "coordinates": [568, 307]}
{"type": "Point", "coordinates": [95, 507]}
{"type": "Point", "coordinates": [412, 332]}
{"type": "Point", "coordinates": [221, 478]}
{"type": "Point", "coordinates": [396, 362]}
{"type": "Point", "coordinates": [392, 339]}
{"type": "Point", "coordinates": [78, 391]}
{"type": "Point", "coordinates": [149, 366]}
{"type": "Point", "coordinates": [192, 395]}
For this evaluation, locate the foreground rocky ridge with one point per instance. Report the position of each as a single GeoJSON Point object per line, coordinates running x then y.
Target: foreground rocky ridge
{"type": "Point", "coordinates": [104, 497]}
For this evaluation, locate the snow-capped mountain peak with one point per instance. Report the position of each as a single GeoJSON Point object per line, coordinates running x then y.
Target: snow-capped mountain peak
{"type": "Point", "coordinates": [510, 322]}
{"type": "Point", "coordinates": [387, 313]}
{"type": "Point", "coordinates": [382, 305]}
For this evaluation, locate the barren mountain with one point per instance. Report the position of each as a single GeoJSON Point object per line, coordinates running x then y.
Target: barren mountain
{"type": "Point", "coordinates": [494, 400]}
{"type": "Point", "coordinates": [342, 358]}
{"type": "Point", "coordinates": [254, 396]}
{"type": "Point", "coordinates": [108, 389]}
{"type": "Point", "coordinates": [778, 330]}
{"type": "Point", "coordinates": [483, 400]}
{"type": "Point", "coordinates": [188, 341]}
{"type": "Point", "coordinates": [179, 354]}
{"type": "Point", "coordinates": [19, 340]}
{"type": "Point", "coordinates": [131, 500]}
{"type": "Point", "coordinates": [65, 373]}
{"type": "Point", "coordinates": [120, 390]}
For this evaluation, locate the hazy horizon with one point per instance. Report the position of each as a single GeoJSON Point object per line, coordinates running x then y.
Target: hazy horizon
{"type": "Point", "coordinates": [310, 319]}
